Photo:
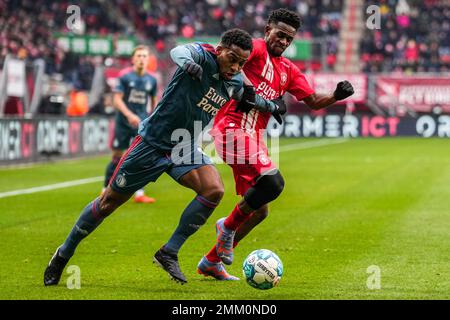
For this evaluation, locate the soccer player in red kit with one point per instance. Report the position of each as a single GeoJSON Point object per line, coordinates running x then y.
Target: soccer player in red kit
{"type": "Point", "coordinates": [238, 136]}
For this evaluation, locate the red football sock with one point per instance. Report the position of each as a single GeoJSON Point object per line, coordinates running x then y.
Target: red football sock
{"type": "Point", "coordinates": [235, 219]}
{"type": "Point", "coordinates": [212, 254]}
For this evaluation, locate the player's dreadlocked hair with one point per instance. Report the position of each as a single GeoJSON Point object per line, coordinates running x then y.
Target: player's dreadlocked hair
{"type": "Point", "coordinates": [286, 16]}
{"type": "Point", "coordinates": [237, 37]}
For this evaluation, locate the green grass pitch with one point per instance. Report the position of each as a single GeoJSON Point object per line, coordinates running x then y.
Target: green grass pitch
{"type": "Point", "coordinates": [345, 207]}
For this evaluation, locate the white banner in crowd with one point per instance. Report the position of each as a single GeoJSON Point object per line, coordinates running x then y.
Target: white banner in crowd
{"type": "Point", "coordinates": [16, 78]}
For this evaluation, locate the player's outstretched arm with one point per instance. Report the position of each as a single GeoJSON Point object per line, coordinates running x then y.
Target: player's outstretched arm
{"type": "Point", "coordinates": [317, 101]}
{"type": "Point", "coordinates": [186, 57]}
{"type": "Point", "coordinates": [248, 100]}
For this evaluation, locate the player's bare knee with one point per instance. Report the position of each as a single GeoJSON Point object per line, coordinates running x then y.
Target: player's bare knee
{"type": "Point", "coordinates": [109, 202]}
{"type": "Point", "coordinates": [106, 206]}
{"type": "Point", "coordinates": [214, 193]}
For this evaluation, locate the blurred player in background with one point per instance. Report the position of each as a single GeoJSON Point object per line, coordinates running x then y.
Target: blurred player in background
{"type": "Point", "coordinates": [257, 179]}
{"type": "Point", "coordinates": [206, 78]}
{"type": "Point", "coordinates": [134, 99]}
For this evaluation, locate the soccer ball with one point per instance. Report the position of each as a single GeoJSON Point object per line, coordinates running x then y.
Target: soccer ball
{"type": "Point", "coordinates": [262, 269]}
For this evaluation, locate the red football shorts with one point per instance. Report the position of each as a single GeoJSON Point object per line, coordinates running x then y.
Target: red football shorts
{"type": "Point", "coordinates": [246, 154]}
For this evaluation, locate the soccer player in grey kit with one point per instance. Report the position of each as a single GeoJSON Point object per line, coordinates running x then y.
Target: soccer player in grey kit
{"type": "Point", "coordinates": [205, 80]}
{"type": "Point", "coordinates": [131, 97]}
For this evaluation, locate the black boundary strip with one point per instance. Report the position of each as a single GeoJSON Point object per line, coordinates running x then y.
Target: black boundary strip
{"type": "Point", "coordinates": [224, 309]}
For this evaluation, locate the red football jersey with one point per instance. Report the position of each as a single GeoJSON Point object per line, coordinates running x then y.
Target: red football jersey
{"type": "Point", "coordinates": [271, 77]}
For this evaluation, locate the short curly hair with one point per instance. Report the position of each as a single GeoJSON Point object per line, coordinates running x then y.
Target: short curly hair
{"type": "Point", "coordinates": [238, 37]}
{"type": "Point", "coordinates": [286, 16]}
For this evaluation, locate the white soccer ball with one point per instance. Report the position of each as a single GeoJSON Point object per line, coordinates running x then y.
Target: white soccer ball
{"type": "Point", "coordinates": [262, 269]}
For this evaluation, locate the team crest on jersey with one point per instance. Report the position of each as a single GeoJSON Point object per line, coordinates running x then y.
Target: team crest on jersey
{"type": "Point", "coordinates": [148, 86]}
{"type": "Point", "coordinates": [132, 84]}
{"type": "Point", "coordinates": [283, 76]}
{"type": "Point", "coordinates": [121, 181]}
{"type": "Point", "coordinates": [264, 159]}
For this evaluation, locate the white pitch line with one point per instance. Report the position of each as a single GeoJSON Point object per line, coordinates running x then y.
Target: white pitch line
{"type": "Point", "coordinates": [310, 145]}
{"type": "Point", "coordinates": [72, 183]}
{"type": "Point", "coordinates": [50, 187]}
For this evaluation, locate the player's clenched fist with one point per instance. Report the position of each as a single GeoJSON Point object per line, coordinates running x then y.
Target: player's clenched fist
{"type": "Point", "coordinates": [193, 69]}
{"type": "Point", "coordinates": [248, 100]}
{"type": "Point", "coordinates": [344, 89]}
{"type": "Point", "coordinates": [280, 109]}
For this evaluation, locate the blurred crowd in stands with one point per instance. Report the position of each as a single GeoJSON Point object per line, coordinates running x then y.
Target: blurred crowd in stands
{"type": "Point", "coordinates": [414, 37]}
{"type": "Point", "coordinates": [158, 19]}
{"type": "Point", "coordinates": [27, 30]}
{"type": "Point", "coordinates": [414, 34]}
{"type": "Point", "coordinates": [27, 26]}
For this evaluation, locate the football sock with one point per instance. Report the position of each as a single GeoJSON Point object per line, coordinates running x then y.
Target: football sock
{"type": "Point", "coordinates": [87, 222]}
{"type": "Point", "coordinates": [212, 254]}
{"type": "Point", "coordinates": [193, 217]}
{"type": "Point", "coordinates": [235, 219]}
{"type": "Point", "coordinates": [110, 170]}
